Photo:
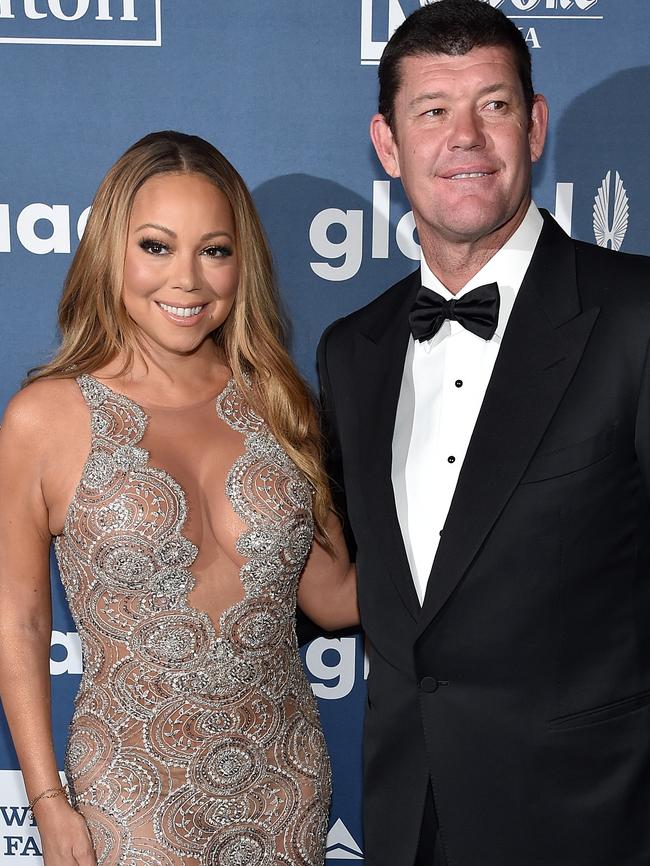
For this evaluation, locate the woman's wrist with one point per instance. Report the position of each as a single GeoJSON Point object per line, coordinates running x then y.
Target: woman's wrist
{"type": "Point", "coordinates": [47, 795]}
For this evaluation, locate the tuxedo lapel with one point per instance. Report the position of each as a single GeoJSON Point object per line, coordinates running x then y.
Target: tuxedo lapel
{"type": "Point", "coordinates": [380, 353]}
{"type": "Point", "coordinates": [542, 345]}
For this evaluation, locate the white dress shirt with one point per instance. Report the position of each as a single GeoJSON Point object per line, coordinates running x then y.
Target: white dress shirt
{"type": "Point", "coordinates": [443, 386]}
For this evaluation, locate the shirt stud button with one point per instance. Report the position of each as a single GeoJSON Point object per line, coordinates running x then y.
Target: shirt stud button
{"type": "Point", "coordinates": [458, 383]}
{"type": "Point", "coordinates": [451, 459]}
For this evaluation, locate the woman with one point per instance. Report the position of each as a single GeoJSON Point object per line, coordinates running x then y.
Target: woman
{"type": "Point", "coordinates": [172, 452]}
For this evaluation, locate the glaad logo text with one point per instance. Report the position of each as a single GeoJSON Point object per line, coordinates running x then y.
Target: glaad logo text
{"type": "Point", "coordinates": [335, 665]}
{"type": "Point", "coordinates": [41, 228]}
{"type": "Point", "coordinates": [65, 653]}
{"type": "Point", "coordinates": [344, 257]}
{"type": "Point", "coordinates": [81, 22]}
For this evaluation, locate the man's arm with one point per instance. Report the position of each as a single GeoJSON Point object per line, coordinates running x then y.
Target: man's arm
{"type": "Point", "coordinates": [642, 429]}
{"type": "Point", "coordinates": [331, 439]}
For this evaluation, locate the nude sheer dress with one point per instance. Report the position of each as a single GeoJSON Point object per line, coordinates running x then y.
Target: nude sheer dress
{"type": "Point", "coordinates": [195, 738]}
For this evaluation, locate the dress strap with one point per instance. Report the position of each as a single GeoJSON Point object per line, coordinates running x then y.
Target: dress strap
{"type": "Point", "coordinates": [234, 409]}
{"type": "Point", "coordinates": [116, 421]}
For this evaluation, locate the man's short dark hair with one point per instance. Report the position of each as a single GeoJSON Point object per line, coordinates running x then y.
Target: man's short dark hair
{"type": "Point", "coordinates": [451, 27]}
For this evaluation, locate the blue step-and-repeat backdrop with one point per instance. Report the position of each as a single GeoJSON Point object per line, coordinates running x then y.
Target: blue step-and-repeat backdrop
{"type": "Point", "coordinates": [285, 89]}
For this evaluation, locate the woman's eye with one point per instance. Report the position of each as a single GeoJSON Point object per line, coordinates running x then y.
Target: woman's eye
{"type": "Point", "coordinates": [156, 248]}
{"type": "Point", "coordinates": [216, 252]}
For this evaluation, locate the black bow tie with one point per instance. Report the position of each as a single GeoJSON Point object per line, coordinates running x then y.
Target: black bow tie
{"type": "Point", "coordinates": [477, 311]}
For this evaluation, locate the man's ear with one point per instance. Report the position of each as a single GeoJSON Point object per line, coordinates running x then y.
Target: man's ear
{"type": "Point", "coordinates": [538, 126]}
{"type": "Point", "coordinates": [385, 144]}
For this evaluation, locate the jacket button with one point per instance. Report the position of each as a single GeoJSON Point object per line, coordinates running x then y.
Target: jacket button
{"type": "Point", "coordinates": [429, 684]}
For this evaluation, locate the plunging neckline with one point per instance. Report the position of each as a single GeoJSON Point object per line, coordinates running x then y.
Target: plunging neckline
{"type": "Point", "coordinates": [141, 418]}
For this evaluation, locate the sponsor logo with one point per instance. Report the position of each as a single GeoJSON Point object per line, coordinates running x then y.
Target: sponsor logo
{"type": "Point", "coordinates": [81, 22]}
{"type": "Point", "coordinates": [381, 18]}
{"type": "Point", "coordinates": [611, 212]}
{"type": "Point", "coordinates": [333, 663]}
{"type": "Point", "coordinates": [345, 256]}
{"type": "Point", "coordinates": [18, 834]}
{"type": "Point", "coordinates": [341, 844]}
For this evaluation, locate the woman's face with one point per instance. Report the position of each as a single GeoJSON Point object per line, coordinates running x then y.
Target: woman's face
{"type": "Point", "coordinates": [181, 268]}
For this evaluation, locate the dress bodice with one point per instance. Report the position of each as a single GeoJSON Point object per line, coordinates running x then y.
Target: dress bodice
{"type": "Point", "coordinates": [183, 696]}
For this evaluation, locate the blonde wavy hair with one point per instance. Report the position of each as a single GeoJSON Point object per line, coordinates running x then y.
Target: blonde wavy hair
{"type": "Point", "coordinates": [96, 328]}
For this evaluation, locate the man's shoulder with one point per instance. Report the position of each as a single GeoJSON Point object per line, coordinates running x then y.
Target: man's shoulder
{"type": "Point", "coordinates": [616, 281]}
{"type": "Point", "coordinates": [594, 264]}
{"type": "Point", "coordinates": [605, 263]}
{"type": "Point", "coordinates": [375, 312]}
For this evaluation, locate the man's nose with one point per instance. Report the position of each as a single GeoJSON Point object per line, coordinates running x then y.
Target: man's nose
{"type": "Point", "coordinates": [466, 132]}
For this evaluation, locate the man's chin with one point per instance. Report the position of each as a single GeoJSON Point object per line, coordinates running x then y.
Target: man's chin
{"type": "Point", "coordinates": [470, 232]}
{"type": "Point", "coordinates": [472, 225]}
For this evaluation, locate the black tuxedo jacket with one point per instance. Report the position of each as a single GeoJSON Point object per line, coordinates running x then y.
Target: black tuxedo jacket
{"type": "Point", "coordinates": [520, 690]}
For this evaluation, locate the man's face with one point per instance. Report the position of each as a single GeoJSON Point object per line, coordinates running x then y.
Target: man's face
{"type": "Point", "coordinates": [462, 143]}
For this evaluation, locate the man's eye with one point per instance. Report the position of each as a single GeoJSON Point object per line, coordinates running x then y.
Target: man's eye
{"type": "Point", "coordinates": [156, 248]}
{"type": "Point", "coordinates": [497, 105]}
{"type": "Point", "coordinates": [434, 112]}
{"type": "Point", "coordinates": [217, 252]}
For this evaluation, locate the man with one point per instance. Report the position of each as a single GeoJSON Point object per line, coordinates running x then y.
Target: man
{"type": "Point", "coordinates": [489, 429]}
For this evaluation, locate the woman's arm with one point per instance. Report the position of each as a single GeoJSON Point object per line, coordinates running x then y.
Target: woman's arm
{"type": "Point", "coordinates": [26, 625]}
{"type": "Point", "coordinates": [328, 587]}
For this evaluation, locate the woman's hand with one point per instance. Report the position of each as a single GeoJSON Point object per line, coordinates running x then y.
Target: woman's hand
{"type": "Point", "coordinates": [64, 834]}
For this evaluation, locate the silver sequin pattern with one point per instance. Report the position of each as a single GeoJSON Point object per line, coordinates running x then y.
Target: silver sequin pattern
{"type": "Point", "coordinates": [189, 746]}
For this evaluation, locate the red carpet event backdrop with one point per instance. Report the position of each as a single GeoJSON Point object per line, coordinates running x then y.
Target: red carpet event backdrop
{"type": "Point", "coordinates": [285, 89]}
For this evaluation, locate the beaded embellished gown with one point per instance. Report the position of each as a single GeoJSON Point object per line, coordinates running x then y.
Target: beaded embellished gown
{"type": "Point", "coordinates": [195, 738]}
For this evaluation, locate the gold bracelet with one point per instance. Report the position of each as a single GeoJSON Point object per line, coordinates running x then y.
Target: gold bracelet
{"type": "Point", "coordinates": [47, 794]}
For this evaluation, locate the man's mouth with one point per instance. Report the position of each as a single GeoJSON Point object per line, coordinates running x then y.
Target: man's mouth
{"type": "Point", "coordinates": [467, 175]}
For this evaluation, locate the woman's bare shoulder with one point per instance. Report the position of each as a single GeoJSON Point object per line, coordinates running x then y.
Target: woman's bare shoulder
{"type": "Point", "coordinates": [42, 408]}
